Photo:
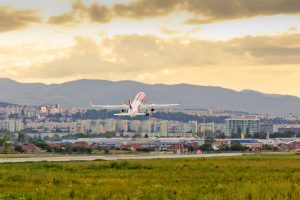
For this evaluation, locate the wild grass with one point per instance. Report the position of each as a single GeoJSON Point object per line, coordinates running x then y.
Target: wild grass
{"type": "Point", "coordinates": [246, 177]}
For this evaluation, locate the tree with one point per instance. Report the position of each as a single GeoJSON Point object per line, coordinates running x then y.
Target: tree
{"type": "Point", "coordinates": [248, 135]}
{"type": "Point", "coordinates": [7, 136]}
{"type": "Point", "coordinates": [236, 146]}
{"type": "Point", "coordinates": [19, 149]}
{"type": "Point", "coordinates": [106, 151]}
{"type": "Point", "coordinates": [58, 130]}
{"type": "Point", "coordinates": [247, 130]}
{"type": "Point", "coordinates": [58, 150]}
{"type": "Point", "coordinates": [55, 137]}
{"type": "Point", "coordinates": [146, 135]}
{"type": "Point", "coordinates": [6, 148]}
{"type": "Point", "coordinates": [239, 130]}
{"type": "Point", "coordinates": [22, 137]}
{"type": "Point", "coordinates": [235, 135]}
{"type": "Point", "coordinates": [268, 147]}
{"type": "Point", "coordinates": [207, 146]}
{"type": "Point", "coordinates": [260, 135]}
{"type": "Point", "coordinates": [41, 144]}
{"type": "Point", "coordinates": [208, 133]}
{"type": "Point", "coordinates": [288, 134]}
{"type": "Point", "coordinates": [2, 141]}
{"type": "Point", "coordinates": [220, 135]}
{"type": "Point", "coordinates": [224, 147]}
{"type": "Point", "coordinates": [137, 135]}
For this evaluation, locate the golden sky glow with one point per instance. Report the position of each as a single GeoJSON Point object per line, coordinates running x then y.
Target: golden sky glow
{"type": "Point", "coordinates": [238, 44]}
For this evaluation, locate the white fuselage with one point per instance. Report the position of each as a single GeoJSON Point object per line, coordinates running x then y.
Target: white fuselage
{"type": "Point", "coordinates": [137, 107]}
{"type": "Point", "coordinates": [134, 106]}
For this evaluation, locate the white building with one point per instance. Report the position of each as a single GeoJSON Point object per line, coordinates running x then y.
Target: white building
{"type": "Point", "coordinates": [110, 125]}
{"type": "Point", "coordinates": [207, 127]}
{"type": "Point", "coordinates": [242, 126]}
{"type": "Point", "coordinates": [122, 125]}
{"type": "Point", "coordinates": [12, 125]}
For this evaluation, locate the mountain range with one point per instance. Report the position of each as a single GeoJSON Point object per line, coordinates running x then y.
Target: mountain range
{"type": "Point", "coordinates": [81, 92]}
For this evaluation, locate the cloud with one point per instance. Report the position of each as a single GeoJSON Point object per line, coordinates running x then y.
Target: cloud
{"type": "Point", "coordinates": [78, 5]}
{"type": "Point", "coordinates": [67, 18]}
{"type": "Point", "coordinates": [203, 11]}
{"type": "Point", "coordinates": [276, 50]}
{"type": "Point", "coordinates": [207, 11]}
{"type": "Point", "coordinates": [265, 63]}
{"type": "Point", "coordinates": [86, 57]}
{"type": "Point", "coordinates": [146, 8]}
{"type": "Point", "coordinates": [79, 12]}
{"type": "Point", "coordinates": [292, 29]}
{"type": "Point", "coordinates": [11, 19]}
{"type": "Point", "coordinates": [99, 13]}
{"type": "Point", "coordinates": [168, 31]}
{"type": "Point", "coordinates": [133, 55]}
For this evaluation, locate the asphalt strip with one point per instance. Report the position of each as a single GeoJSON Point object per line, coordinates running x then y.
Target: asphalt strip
{"type": "Point", "coordinates": [112, 157]}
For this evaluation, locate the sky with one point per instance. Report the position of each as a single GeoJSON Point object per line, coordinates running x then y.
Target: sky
{"type": "Point", "coordinates": [237, 44]}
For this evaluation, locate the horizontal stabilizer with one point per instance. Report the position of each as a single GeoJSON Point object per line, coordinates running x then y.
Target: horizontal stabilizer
{"type": "Point", "coordinates": [128, 114]}
{"type": "Point", "coordinates": [121, 114]}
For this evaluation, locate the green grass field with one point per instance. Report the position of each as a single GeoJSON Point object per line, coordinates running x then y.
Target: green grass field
{"type": "Point", "coordinates": [246, 177]}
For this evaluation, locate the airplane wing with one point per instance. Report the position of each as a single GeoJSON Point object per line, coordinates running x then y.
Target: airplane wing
{"type": "Point", "coordinates": [159, 105]}
{"type": "Point", "coordinates": [121, 106]}
{"type": "Point", "coordinates": [127, 114]}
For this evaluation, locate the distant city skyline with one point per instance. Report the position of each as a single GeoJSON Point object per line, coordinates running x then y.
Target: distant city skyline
{"type": "Point", "coordinates": [237, 44]}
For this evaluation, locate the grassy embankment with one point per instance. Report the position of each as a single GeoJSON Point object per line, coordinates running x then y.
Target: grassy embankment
{"type": "Point", "coordinates": [246, 177]}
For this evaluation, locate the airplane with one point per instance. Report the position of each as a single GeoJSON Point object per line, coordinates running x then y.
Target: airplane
{"type": "Point", "coordinates": [135, 107]}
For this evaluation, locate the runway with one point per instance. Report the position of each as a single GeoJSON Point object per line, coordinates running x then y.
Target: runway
{"type": "Point", "coordinates": [112, 157]}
